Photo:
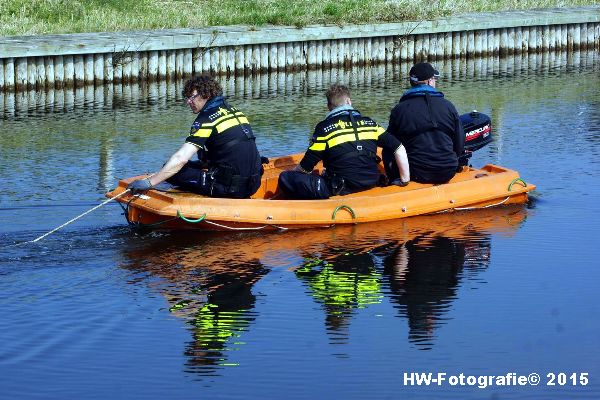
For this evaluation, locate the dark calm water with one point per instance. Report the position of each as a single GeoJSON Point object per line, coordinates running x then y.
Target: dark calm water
{"type": "Point", "coordinates": [96, 311]}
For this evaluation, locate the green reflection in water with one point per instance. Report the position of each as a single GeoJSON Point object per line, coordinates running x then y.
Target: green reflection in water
{"type": "Point", "coordinates": [215, 326]}
{"type": "Point", "coordinates": [341, 288]}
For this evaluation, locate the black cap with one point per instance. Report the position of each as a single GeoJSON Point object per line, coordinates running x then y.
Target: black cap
{"type": "Point", "coordinates": [422, 72]}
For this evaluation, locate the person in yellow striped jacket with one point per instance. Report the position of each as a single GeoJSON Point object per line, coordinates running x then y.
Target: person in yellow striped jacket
{"type": "Point", "coordinates": [346, 142]}
{"type": "Point", "coordinates": [229, 164]}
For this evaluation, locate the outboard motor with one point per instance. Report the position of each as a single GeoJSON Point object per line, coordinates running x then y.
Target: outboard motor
{"type": "Point", "coordinates": [478, 133]}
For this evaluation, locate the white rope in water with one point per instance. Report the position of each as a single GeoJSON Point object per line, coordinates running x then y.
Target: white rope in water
{"type": "Point", "coordinates": [234, 229]}
{"type": "Point", "coordinates": [79, 216]}
{"type": "Point", "coordinates": [85, 213]}
{"type": "Point", "coordinates": [479, 208]}
{"type": "Point", "coordinates": [243, 229]}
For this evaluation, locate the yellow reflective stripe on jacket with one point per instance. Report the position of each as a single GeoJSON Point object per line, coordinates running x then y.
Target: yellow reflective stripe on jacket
{"type": "Point", "coordinates": [203, 132]}
{"type": "Point", "coordinates": [318, 146]}
{"type": "Point", "coordinates": [223, 126]}
{"type": "Point", "coordinates": [373, 134]}
{"type": "Point", "coordinates": [337, 132]}
{"type": "Point", "coordinates": [345, 135]}
{"type": "Point", "coordinates": [341, 139]}
{"type": "Point", "coordinates": [217, 121]}
{"type": "Point", "coordinates": [364, 132]}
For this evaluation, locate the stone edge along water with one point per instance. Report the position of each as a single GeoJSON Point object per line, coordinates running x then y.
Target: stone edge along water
{"type": "Point", "coordinates": [57, 61]}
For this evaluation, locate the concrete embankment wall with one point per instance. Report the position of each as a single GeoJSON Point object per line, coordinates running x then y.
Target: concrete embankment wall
{"type": "Point", "coordinates": [56, 61]}
{"type": "Point", "coordinates": [160, 95]}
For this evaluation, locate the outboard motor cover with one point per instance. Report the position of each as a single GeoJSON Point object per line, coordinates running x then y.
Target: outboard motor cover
{"type": "Point", "coordinates": [478, 130]}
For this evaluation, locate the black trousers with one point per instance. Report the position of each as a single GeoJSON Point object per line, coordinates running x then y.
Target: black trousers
{"type": "Point", "coordinates": [300, 186]}
{"type": "Point", "coordinates": [193, 178]}
{"type": "Point", "coordinates": [416, 174]}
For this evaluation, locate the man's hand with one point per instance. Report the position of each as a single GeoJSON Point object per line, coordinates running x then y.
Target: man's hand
{"type": "Point", "coordinates": [140, 185]}
{"type": "Point", "coordinates": [299, 168]}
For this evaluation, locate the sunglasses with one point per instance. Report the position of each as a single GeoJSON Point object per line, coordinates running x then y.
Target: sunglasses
{"type": "Point", "coordinates": [191, 98]}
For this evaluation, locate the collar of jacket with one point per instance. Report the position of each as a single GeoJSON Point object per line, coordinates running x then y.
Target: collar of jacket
{"type": "Point", "coordinates": [340, 110]}
{"type": "Point", "coordinates": [213, 102]}
{"type": "Point", "coordinates": [421, 90]}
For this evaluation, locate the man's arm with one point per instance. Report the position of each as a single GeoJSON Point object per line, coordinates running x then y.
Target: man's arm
{"type": "Point", "coordinates": [402, 163]}
{"type": "Point", "coordinates": [313, 154]}
{"type": "Point", "coordinates": [175, 163]}
{"type": "Point", "coordinates": [308, 162]}
{"type": "Point", "coordinates": [388, 141]}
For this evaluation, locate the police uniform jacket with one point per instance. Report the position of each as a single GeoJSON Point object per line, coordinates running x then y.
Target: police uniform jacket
{"type": "Point", "coordinates": [225, 135]}
{"type": "Point", "coordinates": [347, 143]}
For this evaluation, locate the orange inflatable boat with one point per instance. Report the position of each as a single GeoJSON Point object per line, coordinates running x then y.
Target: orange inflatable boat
{"type": "Point", "coordinates": [488, 186]}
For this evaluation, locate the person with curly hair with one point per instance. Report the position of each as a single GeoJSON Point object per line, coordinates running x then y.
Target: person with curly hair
{"type": "Point", "coordinates": [228, 164]}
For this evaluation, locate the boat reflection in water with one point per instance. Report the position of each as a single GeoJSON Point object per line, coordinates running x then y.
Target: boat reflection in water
{"type": "Point", "coordinates": [424, 274]}
{"type": "Point", "coordinates": [207, 283]}
{"type": "Point", "coordinates": [419, 267]}
{"type": "Point", "coordinates": [416, 264]}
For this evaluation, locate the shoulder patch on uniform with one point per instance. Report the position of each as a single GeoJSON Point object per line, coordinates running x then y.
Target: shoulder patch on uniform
{"type": "Point", "coordinates": [195, 126]}
{"type": "Point", "coordinates": [337, 125]}
{"type": "Point", "coordinates": [218, 113]}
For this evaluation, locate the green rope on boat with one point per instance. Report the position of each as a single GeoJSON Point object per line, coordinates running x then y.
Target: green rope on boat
{"type": "Point", "coordinates": [338, 208]}
{"type": "Point", "coordinates": [192, 221]}
{"type": "Point", "coordinates": [515, 181]}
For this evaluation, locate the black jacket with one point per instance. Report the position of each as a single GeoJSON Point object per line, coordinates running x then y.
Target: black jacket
{"type": "Point", "coordinates": [429, 128]}
{"type": "Point", "coordinates": [347, 143]}
{"type": "Point", "coordinates": [224, 133]}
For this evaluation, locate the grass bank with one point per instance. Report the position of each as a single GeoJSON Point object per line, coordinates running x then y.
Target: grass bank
{"type": "Point", "coordinates": [32, 17]}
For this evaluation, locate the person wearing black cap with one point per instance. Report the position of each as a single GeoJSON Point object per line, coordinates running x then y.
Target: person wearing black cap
{"type": "Point", "coordinates": [429, 127]}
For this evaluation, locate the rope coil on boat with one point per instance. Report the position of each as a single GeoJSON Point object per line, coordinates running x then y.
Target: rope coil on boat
{"type": "Point", "coordinates": [516, 180]}
{"type": "Point", "coordinates": [519, 180]}
{"type": "Point", "coordinates": [343, 206]}
{"type": "Point", "coordinates": [191, 221]}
